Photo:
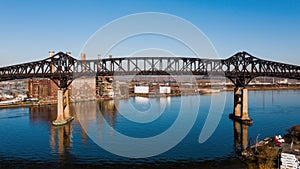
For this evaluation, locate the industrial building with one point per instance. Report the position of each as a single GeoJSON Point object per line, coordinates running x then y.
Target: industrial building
{"type": "Point", "coordinates": [42, 89]}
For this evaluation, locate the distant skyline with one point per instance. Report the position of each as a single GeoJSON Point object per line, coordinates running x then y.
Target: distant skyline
{"type": "Point", "coordinates": [266, 29]}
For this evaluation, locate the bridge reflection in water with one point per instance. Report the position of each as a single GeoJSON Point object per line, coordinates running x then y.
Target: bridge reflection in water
{"type": "Point", "coordinates": [60, 137]}
{"type": "Point", "coordinates": [92, 112]}
{"type": "Point", "coordinates": [88, 113]}
{"type": "Point", "coordinates": [240, 131]}
{"type": "Point", "coordinates": [62, 142]}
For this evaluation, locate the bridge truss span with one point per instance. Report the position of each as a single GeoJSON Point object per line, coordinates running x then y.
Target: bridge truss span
{"type": "Point", "coordinates": [243, 67]}
{"type": "Point", "coordinates": [240, 68]}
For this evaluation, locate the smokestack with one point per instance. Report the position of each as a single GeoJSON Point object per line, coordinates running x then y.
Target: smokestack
{"type": "Point", "coordinates": [83, 58]}
{"type": "Point", "coordinates": [110, 57]}
{"type": "Point", "coordinates": [99, 63]}
{"type": "Point", "coordinates": [51, 54]}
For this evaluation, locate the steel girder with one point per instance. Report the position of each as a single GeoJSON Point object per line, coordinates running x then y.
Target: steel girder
{"type": "Point", "coordinates": [241, 68]}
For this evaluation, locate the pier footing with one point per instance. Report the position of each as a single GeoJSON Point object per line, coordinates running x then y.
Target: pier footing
{"type": "Point", "coordinates": [239, 119]}
{"type": "Point", "coordinates": [63, 108]}
{"type": "Point", "coordinates": [62, 122]}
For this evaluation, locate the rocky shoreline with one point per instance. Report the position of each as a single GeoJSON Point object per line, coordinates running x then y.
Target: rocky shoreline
{"type": "Point", "coordinates": [267, 152]}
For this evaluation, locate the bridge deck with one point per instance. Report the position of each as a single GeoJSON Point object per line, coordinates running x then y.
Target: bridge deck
{"type": "Point", "coordinates": [241, 68]}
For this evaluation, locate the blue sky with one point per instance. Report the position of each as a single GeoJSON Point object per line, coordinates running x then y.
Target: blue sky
{"type": "Point", "coordinates": [266, 29]}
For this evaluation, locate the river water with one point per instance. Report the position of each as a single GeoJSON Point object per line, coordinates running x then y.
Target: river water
{"type": "Point", "coordinates": [27, 138]}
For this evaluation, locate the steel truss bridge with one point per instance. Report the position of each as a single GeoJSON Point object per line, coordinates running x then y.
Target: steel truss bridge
{"type": "Point", "coordinates": [240, 68]}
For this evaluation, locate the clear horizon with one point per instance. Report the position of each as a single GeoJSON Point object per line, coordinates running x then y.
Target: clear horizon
{"type": "Point", "coordinates": [266, 29]}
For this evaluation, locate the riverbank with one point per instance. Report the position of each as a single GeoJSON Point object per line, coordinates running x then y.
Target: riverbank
{"type": "Point", "coordinates": [267, 152]}
{"type": "Point", "coordinates": [24, 104]}
{"type": "Point", "coordinates": [264, 88]}
{"type": "Point", "coordinates": [153, 95]}
{"type": "Point", "coordinates": [212, 91]}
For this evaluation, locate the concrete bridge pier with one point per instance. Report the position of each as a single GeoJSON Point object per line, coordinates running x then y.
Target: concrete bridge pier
{"type": "Point", "coordinates": [240, 110]}
{"type": "Point", "coordinates": [63, 108]}
{"type": "Point", "coordinates": [237, 102]}
{"type": "Point", "coordinates": [245, 116]}
{"type": "Point", "coordinates": [67, 105]}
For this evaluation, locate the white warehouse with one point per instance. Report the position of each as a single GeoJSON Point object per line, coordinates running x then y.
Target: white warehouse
{"type": "Point", "coordinates": [164, 89]}
{"type": "Point", "coordinates": [141, 89]}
